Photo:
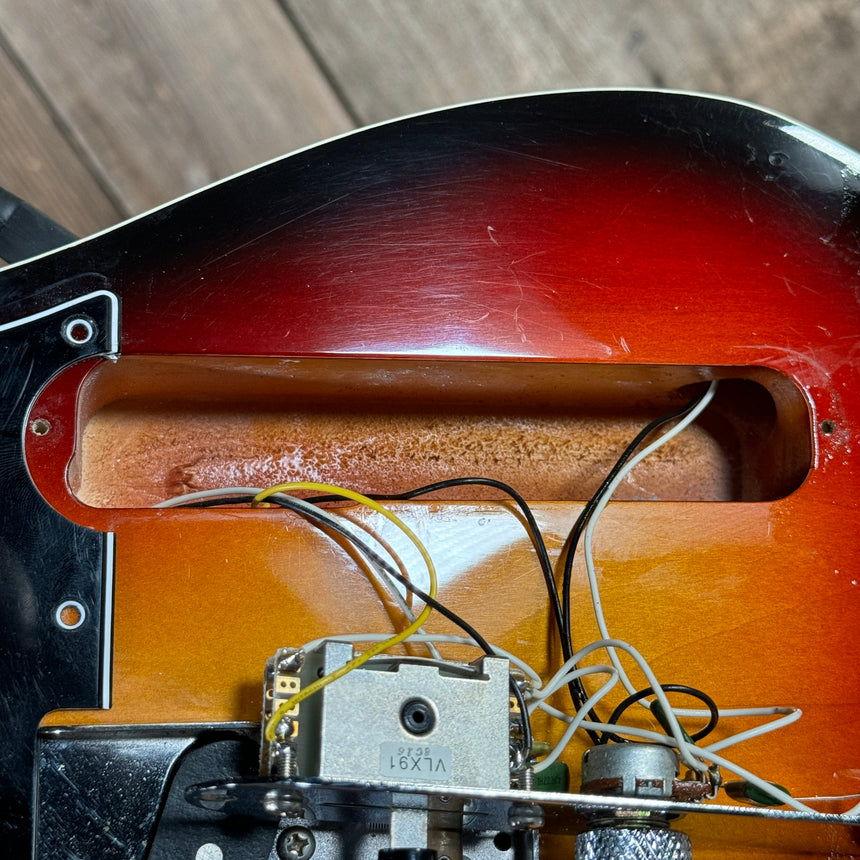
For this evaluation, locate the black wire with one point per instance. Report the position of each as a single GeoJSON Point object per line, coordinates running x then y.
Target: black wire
{"type": "Point", "coordinates": [286, 502]}
{"type": "Point", "coordinates": [533, 530]}
{"type": "Point", "coordinates": [561, 607]}
{"type": "Point", "coordinates": [525, 722]}
{"type": "Point", "coordinates": [306, 508]}
{"type": "Point", "coordinates": [297, 506]}
{"type": "Point", "coordinates": [219, 502]}
{"type": "Point", "coordinates": [704, 698]}
{"type": "Point", "coordinates": [534, 533]}
{"type": "Point", "coordinates": [577, 691]}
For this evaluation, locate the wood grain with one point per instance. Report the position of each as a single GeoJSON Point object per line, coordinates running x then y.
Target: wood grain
{"type": "Point", "coordinates": [389, 57]}
{"type": "Point", "coordinates": [166, 97]}
{"type": "Point", "coordinates": [111, 108]}
{"type": "Point", "coordinates": [38, 163]}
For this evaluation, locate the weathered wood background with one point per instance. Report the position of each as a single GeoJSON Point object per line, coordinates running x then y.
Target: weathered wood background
{"type": "Point", "coordinates": [110, 107]}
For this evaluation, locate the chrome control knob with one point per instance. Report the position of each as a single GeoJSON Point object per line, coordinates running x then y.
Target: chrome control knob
{"type": "Point", "coordinates": [632, 843]}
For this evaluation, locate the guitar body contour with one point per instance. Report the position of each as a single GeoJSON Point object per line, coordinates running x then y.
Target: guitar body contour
{"type": "Point", "coordinates": [509, 288]}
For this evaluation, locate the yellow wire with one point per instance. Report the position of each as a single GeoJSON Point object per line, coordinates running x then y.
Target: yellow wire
{"type": "Point", "coordinates": [373, 650]}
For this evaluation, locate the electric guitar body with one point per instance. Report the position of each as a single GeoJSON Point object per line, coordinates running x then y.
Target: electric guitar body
{"type": "Point", "coordinates": [508, 289]}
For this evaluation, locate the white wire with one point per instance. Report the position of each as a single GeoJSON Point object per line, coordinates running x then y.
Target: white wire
{"type": "Point", "coordinates": [575, 722]}
{"type": "Point", "coordinates": [538, 696]}
{"type": "Point", "coordinates": [769, 788]}
{"type": "Point", "coordinates": [822, 797]}
{"type": "Point", "coordinates": [690, 753]}
{"type": "Point", "coordinates": [796, 803]}
{"type": "Point", "coordinates": [633, 731]}
{"type": "Point", "coordinates": [790, 715]}
{"type": "Point", "coordinates": [634, 461]}
{"type": "Point", "coordinates": [687, 750]}
{"type": "Point", "coordinates": [610, 645]}
{"type": "Point", "coordinates": [684, 747]}
{"type": "Point", "coordinates": [657, 737]}
{"type": "Point", "coordinates": [207, 494]}
{"type": "Point", "coordinates": [726, 713]}
{"type": "Point", "coordinates": [390, 587]}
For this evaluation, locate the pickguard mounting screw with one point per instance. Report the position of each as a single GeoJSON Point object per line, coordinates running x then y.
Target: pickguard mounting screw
{"type": "Point", "coordinates": [296, 843]}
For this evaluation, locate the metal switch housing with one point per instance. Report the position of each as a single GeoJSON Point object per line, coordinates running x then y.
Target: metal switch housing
{"type": "Point", "coordinates": [398, 721]}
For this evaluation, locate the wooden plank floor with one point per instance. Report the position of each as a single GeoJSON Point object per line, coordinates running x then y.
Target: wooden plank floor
{"type": "Point", "coordinates": [111, 107]}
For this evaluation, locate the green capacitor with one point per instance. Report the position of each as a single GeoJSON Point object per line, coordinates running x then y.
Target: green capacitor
{"type": "Point", "coordinates": [555, 778]}
{"type": "Point", "coordinates": [748, 793]}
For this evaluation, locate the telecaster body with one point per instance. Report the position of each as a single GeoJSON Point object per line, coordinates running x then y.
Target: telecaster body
{"type": "Point", "coordinates": [513, 286]}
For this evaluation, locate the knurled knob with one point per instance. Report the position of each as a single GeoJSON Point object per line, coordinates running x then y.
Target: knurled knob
{"type": "Point", "coordinates": [633, 843]}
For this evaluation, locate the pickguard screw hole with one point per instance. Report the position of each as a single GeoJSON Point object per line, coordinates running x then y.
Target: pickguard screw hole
{"type": "Point", "coordinates": [40, 427]}
{"type": "Point", "coordinates": [827, 427]}
{"type": "Point", "coordinates": [78, 331]}
{"type": "Point", "coordinates": [70, 615]}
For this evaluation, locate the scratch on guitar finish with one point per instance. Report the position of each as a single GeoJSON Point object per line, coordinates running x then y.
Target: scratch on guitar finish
{"type": "Point", "coordinates": [277, 228]}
